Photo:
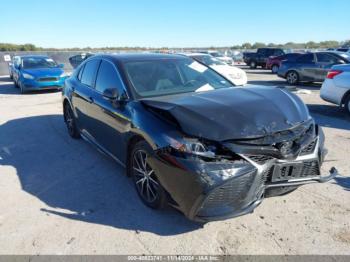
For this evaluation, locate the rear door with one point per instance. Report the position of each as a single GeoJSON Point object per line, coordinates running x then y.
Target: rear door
{"type": "Point", "coordinates": [306, 67]}
{"type": "Point", "coordinates": [325, 62]}
{"type": "Point", "coordinates": [82, 97]}
{"type": "Point", "coordinates": [110, 120]}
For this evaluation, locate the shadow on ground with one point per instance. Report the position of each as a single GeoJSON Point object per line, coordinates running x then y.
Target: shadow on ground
{"type": "Point", "coordinates": [77, 182]}
{"type": "Point", "coordinates": [330, 116]}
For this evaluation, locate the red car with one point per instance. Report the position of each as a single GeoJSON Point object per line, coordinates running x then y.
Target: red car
{"type": "Point", "coordinates": [274, 62]}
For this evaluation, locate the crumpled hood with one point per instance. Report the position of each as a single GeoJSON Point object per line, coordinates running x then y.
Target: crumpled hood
{"type": "Point", "coordinates": [44, 72]}
{"type": "Point", "coordinates": [233, 113]}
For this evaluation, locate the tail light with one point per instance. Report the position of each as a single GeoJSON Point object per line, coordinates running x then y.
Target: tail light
{"type": "Point", "coordinates": [333, 73]}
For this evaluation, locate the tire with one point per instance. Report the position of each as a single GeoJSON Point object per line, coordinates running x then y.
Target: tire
{"type": "Point", "coordinates": [15, 83]}
{"type": "Point", "coordinates": [274, 69]}
{"type": "Point", "coordinates": [70, 121]}
{"type": "Point", "coordinates": [347, 104]}
{"type": "Point", "coordinates": [21, 88]}
{"type": "Point", "coordinates": [147, 186]}
{"type": "Point", "coordinates": [292, 77]}
{"type": "Point", "coordinates": [252, 64]}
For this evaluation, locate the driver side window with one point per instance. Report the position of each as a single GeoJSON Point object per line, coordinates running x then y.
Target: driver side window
{"type": "Point", "coordinates": [108, 78]}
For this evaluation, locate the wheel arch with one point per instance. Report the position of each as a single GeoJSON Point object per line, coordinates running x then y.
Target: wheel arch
{"type": "Point", "coordinates": [133, 139]}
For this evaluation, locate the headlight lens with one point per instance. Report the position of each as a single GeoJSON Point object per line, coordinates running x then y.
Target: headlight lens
{"type": "Point", "coordinates": [193, 146]}
{"type": "Point", "coordinates": [28, 76]}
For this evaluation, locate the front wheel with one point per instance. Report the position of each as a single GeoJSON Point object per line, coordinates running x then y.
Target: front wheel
{"type": "Point", "coordinates": [21, 88]}
{"type": "Point", "coordinates": [292, 77]}
{"type": "Point", "coordinates": [146, 183]}
{"type": "Point", "coordinates": [274, 69]}
{"type": "Point", "coordinates": [252, 65]}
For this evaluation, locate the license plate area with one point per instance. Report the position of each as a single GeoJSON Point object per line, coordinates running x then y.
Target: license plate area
{"type": "Point", "coordinates": [285, 172]}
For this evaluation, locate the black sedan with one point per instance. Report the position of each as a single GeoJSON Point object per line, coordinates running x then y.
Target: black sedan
{"type": "Point", "coordinates": [189, 138]}
{"type": "Point", "coordinates": [311, 67]}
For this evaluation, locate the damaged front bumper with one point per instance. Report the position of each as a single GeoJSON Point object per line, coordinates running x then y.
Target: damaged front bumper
{"type": "Point", "coordinates": [209, 191]}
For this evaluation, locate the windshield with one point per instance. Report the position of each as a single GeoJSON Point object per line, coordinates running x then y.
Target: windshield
{"type": "Point", "coordinates": [38, 62]}
{"type": "Point", "coordinates": [208, 60]}
{"type": "Point", "coordinates": [172, 76]}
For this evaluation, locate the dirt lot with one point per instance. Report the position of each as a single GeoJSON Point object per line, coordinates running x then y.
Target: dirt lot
{"type": "Point", "coordinates": [60, 196]}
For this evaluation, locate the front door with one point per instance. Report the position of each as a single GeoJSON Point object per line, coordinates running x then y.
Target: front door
{"type": "Point", "coordinates": [110, 117]}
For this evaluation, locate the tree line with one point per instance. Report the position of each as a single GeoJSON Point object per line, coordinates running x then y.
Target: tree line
{"type": "Point", "coordinates": [290, 45]}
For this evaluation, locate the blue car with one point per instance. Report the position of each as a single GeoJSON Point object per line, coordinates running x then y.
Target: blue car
{"type": "Point", "coordinates": [37, 73]}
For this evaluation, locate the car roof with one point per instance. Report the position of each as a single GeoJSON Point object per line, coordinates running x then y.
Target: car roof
{"type": "Point", "coordinates": [33, 56]}
{"type": "Point", "coordinates": [126, 57]}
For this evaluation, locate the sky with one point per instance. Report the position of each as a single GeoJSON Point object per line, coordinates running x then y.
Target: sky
{"type": "Point", "coordinates": [171, 23]}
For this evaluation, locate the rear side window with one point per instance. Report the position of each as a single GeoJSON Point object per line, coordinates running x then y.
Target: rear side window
{"type": "Point", "coordinates": [308, 58]}
{"type": "Point", "coordinates": [327, 58]}
{"type": "Point", "coordinates": [107, 77]}
{"type": "Point", "coordinates": [89, 72]}
{"type": "Point", "coordinates": [80, 73]}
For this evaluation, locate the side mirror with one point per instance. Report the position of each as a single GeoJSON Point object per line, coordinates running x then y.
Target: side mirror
{"type": "Point", "coordinates": [110, 93]}
{"type": "Point", "coordinates": [61, 65]}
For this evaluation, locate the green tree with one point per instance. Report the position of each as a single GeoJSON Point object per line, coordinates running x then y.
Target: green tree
{"type": "Point", "coordinates": [246, 46]}
{"type": "Point", "coordinates": [258, 45]}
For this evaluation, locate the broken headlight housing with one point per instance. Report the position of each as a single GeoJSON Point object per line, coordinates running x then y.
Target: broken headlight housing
{"type": "Point", "coordinates": [194, 147]}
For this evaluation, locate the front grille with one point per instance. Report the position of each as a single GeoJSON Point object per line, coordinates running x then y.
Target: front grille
{"type": "Point", "coordinates": [261, 159]}
{"type": "Point", "coordinates": [48, 79]}
{"type": "Point", "coordinates": [309, 149]}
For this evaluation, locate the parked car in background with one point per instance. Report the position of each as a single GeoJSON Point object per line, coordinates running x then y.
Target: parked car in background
{"type": "Point", "coordinates": [310, 67]}
{"type": "Point", "coordinates": [11, 66]}
{"type": "Point", "coordinates": [336, 88]}
{"type": "Point", "coordinates": [34, 72]}
{"type": "Point", "coordinates": [343, 49]}
{"type": "Point", "coordinates": [76, 60]}
{"type": "Point", "coordinates": [189, 138]}
{"type": "Point", "coordinates": [260, 57]}
{"type": "Point", "coordinates": [236, 75]}
{"type": "Point", "coordinates": [274, 62]}
{"type": "Point", "coordinates": [218, 55]}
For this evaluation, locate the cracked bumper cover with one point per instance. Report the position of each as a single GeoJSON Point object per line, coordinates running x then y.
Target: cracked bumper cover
{"type": "Point", "coordinates": [209, 191]}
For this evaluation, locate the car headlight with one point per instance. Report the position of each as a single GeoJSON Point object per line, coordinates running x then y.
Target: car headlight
{"type": "Point", "coordinates": [193, 146]}
{"type": "Point", "coordinates": [28, 76]}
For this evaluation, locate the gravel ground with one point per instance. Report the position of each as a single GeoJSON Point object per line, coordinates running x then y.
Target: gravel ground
{"type": "Point", "coordinates": [60, 196]}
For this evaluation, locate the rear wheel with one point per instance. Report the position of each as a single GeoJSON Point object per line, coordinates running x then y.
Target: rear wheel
{"type": "Point", "coordinates": [252, 64]}
{"type": "Point", "coordinates": [274, 69]}
{"type": "Point", "coordinates": [347, 104]}
{"type": "Point", "coordinates": [292, 77]}
{"type": "Point", "coordinates": [70, 122]}
{"type": "Point", "coordinates": [146, 183]}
